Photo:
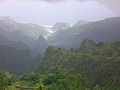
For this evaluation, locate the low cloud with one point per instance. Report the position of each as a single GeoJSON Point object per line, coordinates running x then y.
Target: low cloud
{"type": "Point", "coordinates": [36, 0]}
{"type": "Point", "coordinates": [112, 4]}
{"type": "Point", "coordinates": [52, 0]}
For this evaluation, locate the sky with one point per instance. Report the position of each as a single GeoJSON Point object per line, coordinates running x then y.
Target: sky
{"type": "Point", "coordinates": [49, 12]}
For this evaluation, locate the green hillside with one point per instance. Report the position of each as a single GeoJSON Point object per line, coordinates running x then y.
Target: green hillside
{"type": "Point", "coordinates": [94, 66]}
{"type": "Point", "coordinates": [98, 62]}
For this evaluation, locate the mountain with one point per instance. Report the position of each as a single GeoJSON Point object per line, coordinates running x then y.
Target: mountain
{"type": "Point", "coordinates": [61, 26]}
{"type": "Point", "coordinates": [39, 46]}
{"type": "Point", "coordinates": [81, 23]}
{"type": "Point", "coordinates": [25, 33]}
{"type": "Point", "coordinates": [76, 61]}
{"type": "Point", "coordinates": [30, 30]}
{"type": "Point", "coordinates": [20, 45]}
{"type": "Point", "coordinates": [99, 31]}
{"type": "Point", "coordinates": [16, 57]}
{"type": "Point", "coordinates": [101, 65]}
{"type": "Point", "coordinates": [87, 45]}
{"type": "Point", "coordinates": [16, 31]}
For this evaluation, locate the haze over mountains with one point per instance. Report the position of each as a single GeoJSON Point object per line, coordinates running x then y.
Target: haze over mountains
{"type": "Point", "coordinates": [25, 44]}
{"type": "Point", "coordinates": [18, 32]}
{"type": "Point", "coordinates": [19, 45]}
{"type": "Point", "coordinates": [59, 44]}
{"type": "Point", "coordinates": [107, 30]}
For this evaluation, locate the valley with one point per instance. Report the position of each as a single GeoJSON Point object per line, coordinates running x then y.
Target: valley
{"type": "Point", "coordinates": [84, 56]}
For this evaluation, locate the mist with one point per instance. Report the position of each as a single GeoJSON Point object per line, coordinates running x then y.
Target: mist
{"type": "Point", "coordinates": [48, 12]}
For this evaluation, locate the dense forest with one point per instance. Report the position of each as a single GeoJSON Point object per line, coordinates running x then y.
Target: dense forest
{"type": "Point", "coordinates": [94, 66]}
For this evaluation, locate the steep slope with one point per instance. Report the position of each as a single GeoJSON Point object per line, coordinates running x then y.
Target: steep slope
{"type": "Point", "coordinates": [18, 44]}
{"type": "Point", "coordinates": [100, 66]}
{"type": "Point", "coordinates": [25, 33]}
{"type": "Point", "coordinates": [39, 46]}
{"type": "Point", "coordinates": [100, 31]}
{"type": "Point", "coordinates": [15, 57]}
{"type": "Point", "coordinates": [29, 30]}
{"type": "Point", "coordinates": [71, 60]}
{"type": "Point", "coordinates": [87, 46]}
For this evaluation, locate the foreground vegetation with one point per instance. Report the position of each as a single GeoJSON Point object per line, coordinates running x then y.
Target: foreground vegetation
{"type": "Point", "coordinates": [91, 67]}
{"type": "Point", "coordinates": [56, 80]}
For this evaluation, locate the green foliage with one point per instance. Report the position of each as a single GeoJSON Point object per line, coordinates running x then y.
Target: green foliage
{"type": "Point", "coordinates": [54, 77]}
{"type": "Point", "coordinates": [74, 82]}
{"type": "Point", "coordinates": [97, 87]}
{"type": "Point", "coordinates": [58, 80]}
{"type": "Point", "coordinates": [87, 46]}
{"type": "Point", "coordinates": [10, 88]}
{"type": "Point", "coordinates": [99, 63]}
{"type": "Point", "coordinates": [6, 79]}
{"type": "Point", "coordinates": [32, 78]}
{"type": "Point", "coordinates": [64, 69]}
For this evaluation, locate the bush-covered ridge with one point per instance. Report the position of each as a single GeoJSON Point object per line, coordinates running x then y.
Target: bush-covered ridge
{"type": "Point", "coordinates": [94, 66]}
{"type": "Point", "coordinates": [98, 62]}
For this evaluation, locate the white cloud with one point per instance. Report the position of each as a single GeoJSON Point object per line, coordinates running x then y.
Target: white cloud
{"type": "Point", "coordinates": [112, 4]}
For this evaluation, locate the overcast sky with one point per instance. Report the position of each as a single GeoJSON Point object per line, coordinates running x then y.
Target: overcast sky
{"type": "Point", "coordinates": [48, 12]}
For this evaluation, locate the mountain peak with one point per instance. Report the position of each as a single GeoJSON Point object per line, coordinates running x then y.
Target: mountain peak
{"type": "Point", "coordinates": [6, 18]}
{"type": "Point", "coordinates": [87, 41]}
{"type": "Point", "coordinates": [61, 26]}
{"type": "Point", "coordinates": [87, 45]}
{"type": "Point", "coordinates": [82, 22]}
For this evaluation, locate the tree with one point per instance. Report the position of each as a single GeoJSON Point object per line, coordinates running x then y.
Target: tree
{"type": "Point", "coordinates": [32, 78]}
{"type": "Point", "coordinates": [54, 77]}
{"type": "Point", "coordinates": [41, 86]}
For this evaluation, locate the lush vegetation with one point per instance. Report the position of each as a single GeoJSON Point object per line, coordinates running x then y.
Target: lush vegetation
{"type": "Point", "coordinates": [56, 80]}
{"type": "Point", "coordinates": [99, 63]}
{"type": "Point", "coordinates": [91, 67]}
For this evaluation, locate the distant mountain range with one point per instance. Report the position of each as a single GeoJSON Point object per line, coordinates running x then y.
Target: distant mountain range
{"type": "Point", "coordinates": [61, 26]}
{"type": "Point", "coordinates": [30, 30]}
{"type": "Point", "coordinates": [107, 30]}
{"type": "Point", "coordinates": [22, 46]}
{"type": "Point", "coordinates": [24, 33]}
{"type": "Point", "coordinates": [15, 56]}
